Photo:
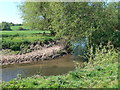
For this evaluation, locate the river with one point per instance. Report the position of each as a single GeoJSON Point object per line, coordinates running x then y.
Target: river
{"type": "Point", "coordinates": [58, 66]}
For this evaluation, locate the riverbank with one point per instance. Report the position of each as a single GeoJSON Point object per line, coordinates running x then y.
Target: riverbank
{"type": "Point", "coordinates": [58, 66]}
{"type": "Point", "coordinates": [46, 53]}
{"type": "Point", "coordinates": [100, 72]}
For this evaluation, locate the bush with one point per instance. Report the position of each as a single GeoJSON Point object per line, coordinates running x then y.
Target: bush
{"type": "Point", "coordinates": [15, 46]}
{"type": "Point", "coordinates": [104, 37]}
{"type": "Point", "coordinates": [52, 33]}
{"type": "Point", "coordinates": [43, 33]}
{"type": "Point", "coordinates": [21, 28]}
{"type": "Point", "coordinates": [5, 26]}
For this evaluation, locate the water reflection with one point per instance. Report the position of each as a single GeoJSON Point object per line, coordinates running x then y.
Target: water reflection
{"type": "Point", "coordinates": [49, 67]}
{"type": "Point", "coordinates": [79, 47]}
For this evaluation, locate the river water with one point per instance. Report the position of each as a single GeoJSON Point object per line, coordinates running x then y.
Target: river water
{"type": "Point", "coordinates": [58, 66]}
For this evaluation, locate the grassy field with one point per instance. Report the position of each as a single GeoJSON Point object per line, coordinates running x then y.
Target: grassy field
{"type": "Point", "coordinates": [29, 32]}
{"type": "Point", "coordinates": [100, 72]}
{"type": "Point", "coordinates": [15, 39]}
{"type": "Point", "coordinates": [14, 28]}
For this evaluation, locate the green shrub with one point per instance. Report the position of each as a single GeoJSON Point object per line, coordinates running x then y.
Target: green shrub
{"type": "Point", "coordinates": [104, 37]}
{"type": "Point", "coordinates": [21, 28]}
{"type": "Point", "coordinates": [15, 46]}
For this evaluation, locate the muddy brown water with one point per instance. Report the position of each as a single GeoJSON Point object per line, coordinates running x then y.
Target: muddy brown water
{"type": "Point", "coordinates": [58, 66]}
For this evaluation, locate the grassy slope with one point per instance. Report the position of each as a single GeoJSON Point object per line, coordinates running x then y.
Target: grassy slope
{"type": "Point", "coordinates": [100, 72]}
{"type": "Point", "coordinates": [15, 39]}
{"type": "Point", "coordinates": [19, 36]}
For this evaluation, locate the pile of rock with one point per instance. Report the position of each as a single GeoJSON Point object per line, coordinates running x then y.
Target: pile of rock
{"type": "Point", "coordinates": [43, 54]}
{"type": "Point", "coordinates": [38, 46]}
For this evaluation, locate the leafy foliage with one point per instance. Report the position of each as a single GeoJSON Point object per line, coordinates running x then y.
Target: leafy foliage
{"type": "Point", "coordinates": [5, 26]}
{"type": "Point", "coordinates": [71, 19]}
{"type": "Point", "coordinates": [113, 37]}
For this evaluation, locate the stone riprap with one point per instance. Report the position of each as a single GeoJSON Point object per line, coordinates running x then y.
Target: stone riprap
{"type": "Point", "coordinates": [43, 54]}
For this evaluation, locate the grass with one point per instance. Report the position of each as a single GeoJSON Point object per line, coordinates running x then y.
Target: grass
{"type": "Point", "coordinates": [14, 28]}
{"type": "Point", "coordinates": [15, 39]}
{"type": "Point", "coordinates": [29, 32]}
{"type": "Point", "coordinates": [100, 72]}
{"type": "Point", "coordinates": [27, 38]}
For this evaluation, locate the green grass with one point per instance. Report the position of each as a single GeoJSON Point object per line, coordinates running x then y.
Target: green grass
{"type": "Point", "coordinates": [17, 27]}
{"type": "Point", "coordinates": [99, 72]}
{"type": "Point", "coordinates": [15, 39]}
{"type": "Point", "coordinates": [29, 38]}
{"type": "Point", "coordinates": [11, 33]}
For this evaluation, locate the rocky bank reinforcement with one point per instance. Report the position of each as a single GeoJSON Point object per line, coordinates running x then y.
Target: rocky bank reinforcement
{"type": "Point", "coordinates": [44, 54]}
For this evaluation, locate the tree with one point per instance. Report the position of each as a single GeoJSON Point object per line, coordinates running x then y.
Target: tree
{"type": "Point", "coordinates": [5, 26]}
{"type": "Point", "coordinates": [35, 14]}
{"type": "Point", "coordinates": [106, 23]}
{"type": "Point", "coordinates": [71, 20]}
